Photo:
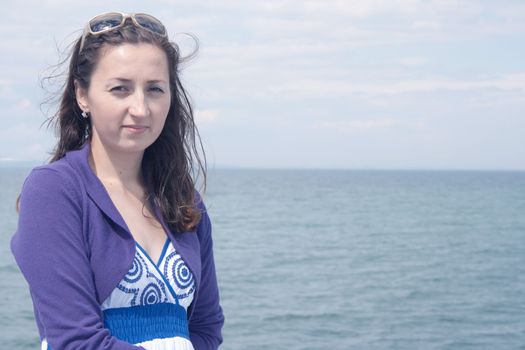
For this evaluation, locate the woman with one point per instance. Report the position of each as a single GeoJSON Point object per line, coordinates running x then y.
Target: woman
{"type": "Point", "coordinates": [112, 238]}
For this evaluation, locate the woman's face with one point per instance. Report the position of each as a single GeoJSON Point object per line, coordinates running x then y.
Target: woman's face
{"type": "Point", "coordinates": [128, 98]}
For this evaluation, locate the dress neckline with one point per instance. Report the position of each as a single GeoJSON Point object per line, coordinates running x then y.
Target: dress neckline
{"type": "Point", "coordinates": [162, 254]}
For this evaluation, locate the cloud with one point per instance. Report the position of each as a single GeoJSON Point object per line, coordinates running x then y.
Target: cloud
{"type": "Point", "coordinates": [203, 116]}
{"type": "Point", "coordinates": [343, 88]}
{"type": "Point", "coordinates": [413, 61]}
{"type": "Point", "coordinates": [426, 25]}
{"type": "Point", "coordinates": [5, 86]}
{"type": "Point", "coordinates": [348, 125]}
{"type": "Point", "coordinates": [353, 8]}
{"type": "Point", "coordinates": [386, 21]}
{"type": "Point", "coordinates": [24, 104]}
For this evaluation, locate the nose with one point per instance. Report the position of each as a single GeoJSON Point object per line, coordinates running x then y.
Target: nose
{"type": "Point", "coordinates": [139, 105]}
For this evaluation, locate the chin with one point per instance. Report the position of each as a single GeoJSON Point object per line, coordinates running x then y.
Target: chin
{"type": "Point", "coordinates": [133, 147]}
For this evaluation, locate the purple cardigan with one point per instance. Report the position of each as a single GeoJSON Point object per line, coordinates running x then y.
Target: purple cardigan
{"type": "Point", "coordinates": [73, 248]}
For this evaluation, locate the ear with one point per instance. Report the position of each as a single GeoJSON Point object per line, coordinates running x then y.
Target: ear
{"type": "Point", "coordinates": [81, 95]}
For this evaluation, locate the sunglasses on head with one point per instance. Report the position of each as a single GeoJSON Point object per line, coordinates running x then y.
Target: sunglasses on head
{"type": "Point", "coordinates": [112, 20]}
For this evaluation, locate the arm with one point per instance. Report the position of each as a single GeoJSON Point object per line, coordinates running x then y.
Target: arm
{"type": "Point", "coordinates": [52, 254]}
{"type": "Point", "coordinates": [207, 319]}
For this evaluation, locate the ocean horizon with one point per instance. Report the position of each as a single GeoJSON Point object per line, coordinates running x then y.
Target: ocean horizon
{"type": "Point", "coordinates": [29, 164]}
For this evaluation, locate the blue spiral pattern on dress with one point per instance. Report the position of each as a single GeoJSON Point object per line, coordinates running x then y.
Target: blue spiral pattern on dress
{"type": "Point", "coordinates": [134, 291]}
{"type": "Point", "coordinates": [180, 271]}
{"type": "Point", "coordinates": [135, 273]}
{"type": "Point", "coordinates": [151, 295]}
{"type": "Point", "coordinates": [154, 292]}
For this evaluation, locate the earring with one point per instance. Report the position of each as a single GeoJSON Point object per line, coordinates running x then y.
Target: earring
{"type": "Point", "coordinates": [84, 114]}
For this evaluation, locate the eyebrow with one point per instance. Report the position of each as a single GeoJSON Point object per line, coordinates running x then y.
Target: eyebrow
{"type": "Point", "coordinates": [124, 80]}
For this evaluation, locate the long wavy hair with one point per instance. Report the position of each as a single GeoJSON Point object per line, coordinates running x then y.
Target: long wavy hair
{"type": "Point", "coordinates": [170, 164]}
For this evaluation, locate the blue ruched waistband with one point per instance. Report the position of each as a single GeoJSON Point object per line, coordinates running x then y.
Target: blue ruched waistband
{"type": "Point", "coordinates": [142, 323]}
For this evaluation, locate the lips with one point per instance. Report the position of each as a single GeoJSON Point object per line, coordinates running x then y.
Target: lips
{"type": "Point", "coordinates": [136, 128]}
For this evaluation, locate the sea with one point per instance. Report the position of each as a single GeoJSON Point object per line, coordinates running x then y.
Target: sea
{"type": "Point", "coordinates": [344, 259]}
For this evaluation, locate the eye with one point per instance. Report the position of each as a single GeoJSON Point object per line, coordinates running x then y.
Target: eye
{"type": "Point", "coordinates": [156, 89]}
{"type": "Point", "coordinates": [119, 88]}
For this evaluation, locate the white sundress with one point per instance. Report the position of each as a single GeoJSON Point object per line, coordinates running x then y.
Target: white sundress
{"type": "Point", "coordinates": [148, 307]}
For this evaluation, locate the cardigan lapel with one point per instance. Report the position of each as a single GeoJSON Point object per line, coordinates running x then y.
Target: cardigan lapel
{"type": "Point", "coordinates": [96, 191]}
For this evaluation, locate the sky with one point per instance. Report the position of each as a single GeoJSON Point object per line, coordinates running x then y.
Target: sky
{"type": "Point", "coordinates": [328, 84]}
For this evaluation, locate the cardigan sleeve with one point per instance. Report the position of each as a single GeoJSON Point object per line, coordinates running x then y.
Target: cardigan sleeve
{"type": "Point", "coordinates": [207, 318]}
{"type": "Point", "coordinates": [53, 255]}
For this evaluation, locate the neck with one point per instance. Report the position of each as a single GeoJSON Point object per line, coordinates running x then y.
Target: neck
{"type": "Point", "coordinates": [116, 169]}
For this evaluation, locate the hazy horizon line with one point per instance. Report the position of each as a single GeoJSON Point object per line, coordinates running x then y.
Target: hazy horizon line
{"type": "Point", "coordinates": [27, 164]}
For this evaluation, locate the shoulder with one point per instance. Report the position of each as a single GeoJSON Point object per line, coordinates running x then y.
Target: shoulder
{"type": "Point", "coordinates": [199, 202]}
{"type": "Point", "coordinates": [52, 181]}
{"type": "Point", "coordinates": [204, 228]}
{"type": "Point", "coordinates": [56, 174]}
{"type": "Point", "coordinates": [201, 207]}
{"type": "Point", "coordinates": [49, 210]}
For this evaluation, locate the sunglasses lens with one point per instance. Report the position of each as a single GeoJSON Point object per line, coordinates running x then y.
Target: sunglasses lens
{"type": "Point", "coordinates": [150, 23]}
{"type": "Point", "coordinates": [105, 22]}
